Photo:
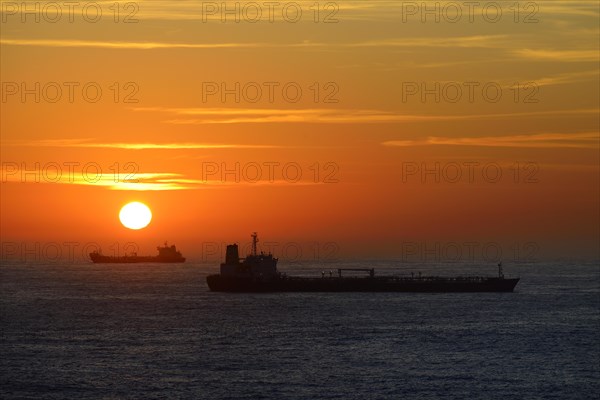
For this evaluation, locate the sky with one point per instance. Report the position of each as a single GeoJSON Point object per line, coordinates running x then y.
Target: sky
{"type": "Point", "coordinates": [419, 131]}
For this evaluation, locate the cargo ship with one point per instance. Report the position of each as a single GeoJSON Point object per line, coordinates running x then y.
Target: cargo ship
{"type": "Point", "coordinates": [166, 254]}
{"type": "Point", "coordinates": [258, 273]}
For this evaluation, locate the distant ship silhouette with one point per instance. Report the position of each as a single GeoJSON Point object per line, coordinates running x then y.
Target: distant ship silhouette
{"type": "Point", "coordinates": [258, 273]}
{"type": "Point", "coordinates": [166, 254]}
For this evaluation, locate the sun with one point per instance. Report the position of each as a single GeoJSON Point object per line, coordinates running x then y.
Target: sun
{"type": "Point", "coordinates": [135, 215]}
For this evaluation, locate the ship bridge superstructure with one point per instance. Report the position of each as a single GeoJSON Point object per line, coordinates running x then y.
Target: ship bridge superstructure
{"type": "Point", "coordinates": [258, 265]}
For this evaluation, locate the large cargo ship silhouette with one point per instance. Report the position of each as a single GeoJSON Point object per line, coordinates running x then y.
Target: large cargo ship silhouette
{"type": "Point", "coordinates": [258, 273]}
{"type": "Point", "coordinates": [166, 254]}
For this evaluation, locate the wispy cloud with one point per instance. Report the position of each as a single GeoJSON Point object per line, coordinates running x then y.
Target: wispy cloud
{"type": "Point", "coordinates": [505, 44]}
{"type": "Point", "coordinates": [570, 77]}
{"type": "Point", "coordinates": [92, 143]}
{"type": "Point", "coordinates": [542, 140]}
{"type": "Point", "coordinates": [339, 116]}
{"type": "Point", "coordinates": [123, 45]}
{"type": "Point", "coordinates": [496, 41]}
{"type": "Point", "coordinates": [259, 115]}
{"type": "Point", "coordinates": [585, 8]}
{"type": "Point", "coordinates": [459, 41]}
{"type": "Point", "coordinates": [149, 181]}
{"type": "Point", "coordinates": [114, 181]}
{"type": "Point", "coordinates": [349, 9]}
{"type": "Point", "coordinates": [559, 55]}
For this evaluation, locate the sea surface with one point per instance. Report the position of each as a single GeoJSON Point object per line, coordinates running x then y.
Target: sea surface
{"type": "Point", "coordinates": [85, 331]}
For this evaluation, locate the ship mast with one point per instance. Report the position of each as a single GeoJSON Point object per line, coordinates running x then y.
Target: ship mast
{"type": "Point", "coordinates": [254, 241]}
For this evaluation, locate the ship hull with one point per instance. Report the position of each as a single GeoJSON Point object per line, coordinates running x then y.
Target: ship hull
{"type": "Point", "coordinates": [166, 254]}
{"type": "Point", "coordinates": [218, 283]}
{"type": "Point", "coordinates": [134, 260]}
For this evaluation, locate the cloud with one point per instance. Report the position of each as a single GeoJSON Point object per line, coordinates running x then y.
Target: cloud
{"type": "Point", "coordinates": [348, 9]}
{"type": "Point", "coordinates": [258, 115]}
{"type": "Point", "coordinates": [586, 8]}
{"type": "Point", "coordinates": [486, 41]}
{"type": "Point", "coordinates": [149, 181]}
{"type": "Point", "coordinates": [569, 77]}
{"type": "Point", "coordinates": [90, 143]}
{"type": "Point", "coordinates": [123, 45]}
{"type": "Point", "coordinates": [496, 41]}
{"type": "Point", "coordinates": [590, 140]}
{"type": "Point", "coordinates": [14, 173]}
{"type": "Point", "coordinates": [327, 116]}
{"type": "Point", "coordinates": [505, 44]}
{"type": "Point", "coordinates": [559, 55]}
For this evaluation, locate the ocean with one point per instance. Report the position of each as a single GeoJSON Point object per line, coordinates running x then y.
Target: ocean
{"type": "Point", "coordinates": [86, 331]}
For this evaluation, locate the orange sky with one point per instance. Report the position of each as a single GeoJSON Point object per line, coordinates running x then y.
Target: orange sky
{"type": "Point", "coordinates": [364, 130]}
